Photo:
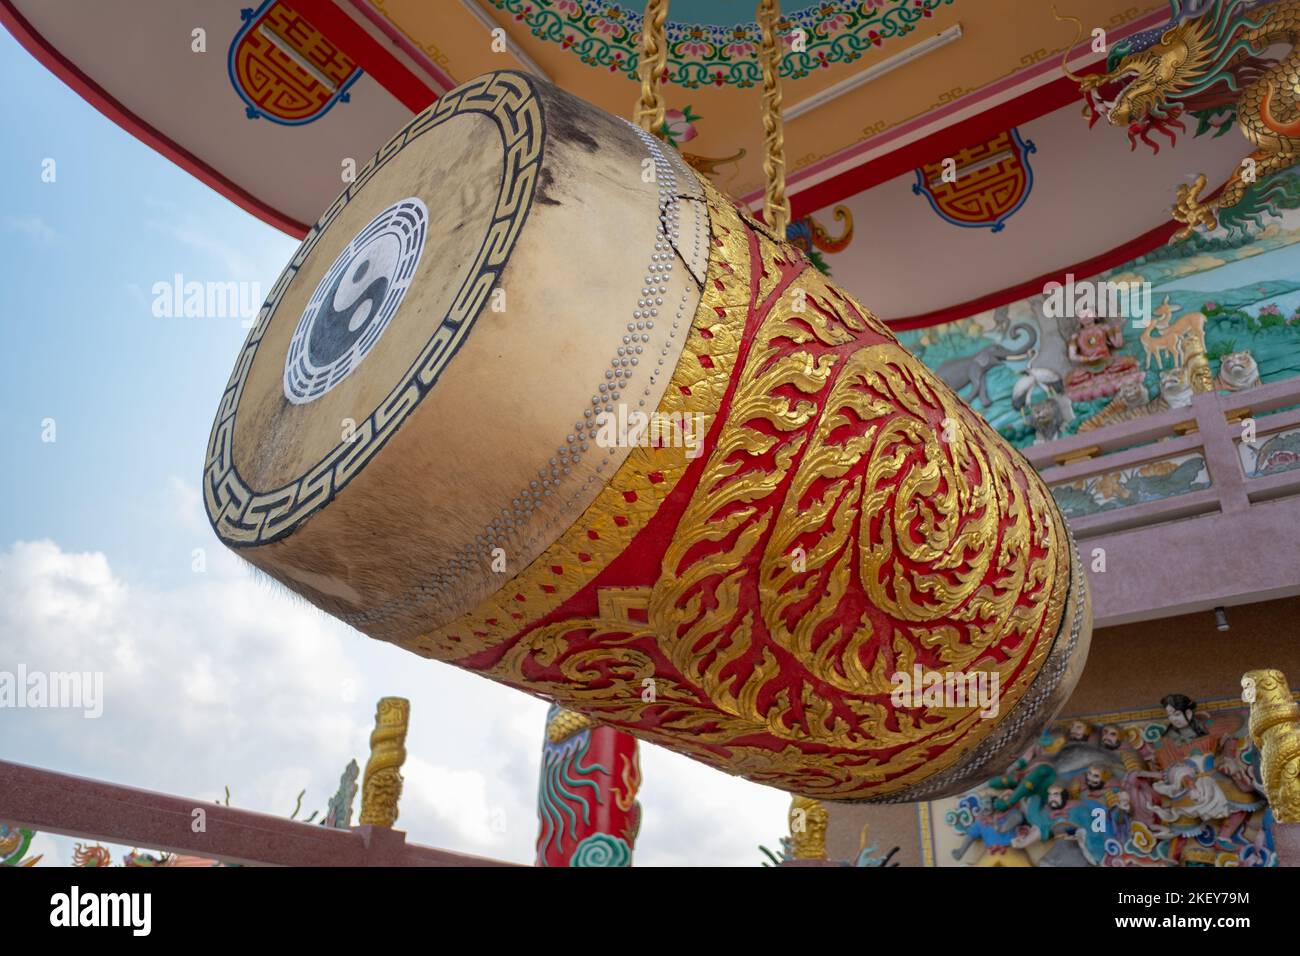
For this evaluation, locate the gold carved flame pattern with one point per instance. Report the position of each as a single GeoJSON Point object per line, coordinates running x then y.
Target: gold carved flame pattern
{"type": "Point", "coordinates": [851, 518]}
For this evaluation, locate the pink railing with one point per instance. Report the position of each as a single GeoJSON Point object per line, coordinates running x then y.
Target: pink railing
{"type": "Point", "coordinates": [60, 803]}
{"type": "Point", "coordinates": [1235, 541]}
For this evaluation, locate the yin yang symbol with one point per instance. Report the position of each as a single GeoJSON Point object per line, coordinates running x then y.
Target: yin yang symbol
{"type": "Point", "coordinates": [355, 301]}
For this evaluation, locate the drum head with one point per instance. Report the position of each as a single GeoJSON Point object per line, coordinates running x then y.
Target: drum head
{"type": "Point", "coordinates": [411, 419]}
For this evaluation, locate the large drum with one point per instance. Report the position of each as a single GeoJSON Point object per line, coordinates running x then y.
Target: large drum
{"type": "Point", "coordinates": [533, 398]}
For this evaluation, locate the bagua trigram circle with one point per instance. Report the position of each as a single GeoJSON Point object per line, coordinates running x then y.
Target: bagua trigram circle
{"type": "Point", "coordinates": [355, 301]}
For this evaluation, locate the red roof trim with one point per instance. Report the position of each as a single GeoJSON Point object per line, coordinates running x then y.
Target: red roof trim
{"type": "Point", "coordinates": [1038, 102]}
{"type": "Point", "coordinates": [404, 86]}
{"type": "Point", "coordinates": [938, 115]}
{"type": "Point", "coordinates": [1139, 246]}
{"type": "Point", "coordinates": [968, 132]}
{"type": "Point", "coordinates": [100, 99]}
{"type": "Point", "coordinates": [1089, 267]}
{"type": "Point", "coordinates": [1029, 106]}
{"type": "Point", "coordinates": [391, 73]}
{"type": "Point", "coordinates": [445, 83]}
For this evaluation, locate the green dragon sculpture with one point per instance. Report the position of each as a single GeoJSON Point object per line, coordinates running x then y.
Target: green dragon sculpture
{"type": "Point", "coordinates": [1210, 61]}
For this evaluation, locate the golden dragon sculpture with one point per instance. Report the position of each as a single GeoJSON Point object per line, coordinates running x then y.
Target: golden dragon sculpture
{"type": "Point", "coordinates": [1275, 729]}
{"type": "Point", "coordinates": [1213, 59]}
{"type": "Point", "coordinates": [381, 788]}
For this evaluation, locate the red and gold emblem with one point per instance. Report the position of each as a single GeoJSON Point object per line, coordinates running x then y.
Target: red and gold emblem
{"type": "Point", "coordinates": [286, 70]}
{"type": "Point", "coordinates": [983, 185]}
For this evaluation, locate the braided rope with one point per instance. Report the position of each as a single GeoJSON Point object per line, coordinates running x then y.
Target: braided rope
{"type": "Point", "coordinates": [649, 113]}
{"type": "Point", "coordinates": [776, 207]}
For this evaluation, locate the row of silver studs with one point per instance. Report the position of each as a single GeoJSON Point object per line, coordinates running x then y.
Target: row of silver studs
{"type": "Point", "coordinates": [636, 341]}
{"type": "Point", "coordinates": [636, 347]}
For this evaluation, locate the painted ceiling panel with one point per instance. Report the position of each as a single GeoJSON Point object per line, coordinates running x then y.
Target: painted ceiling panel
{"type": "Point", "coordinates": [275, 114]}
{"type": "Point", "coordinates": [590, 48]}
{"type": "Point", "coordinates": [1086, 192]}
{"type": "Point", "coordinates": [288, 91]}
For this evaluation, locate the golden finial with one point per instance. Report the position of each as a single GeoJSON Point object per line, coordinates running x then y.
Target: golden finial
{"type": "Point", "coordinates": [1275, 728]}
{"type": "Point", "coordinates": [382, 785]}
{"type": "Point", "coordinates": [564, 724]}
{"type": "Point", "coordinates": [808, 819]}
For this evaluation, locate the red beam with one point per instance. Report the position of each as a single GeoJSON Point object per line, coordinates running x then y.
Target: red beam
{"type": "Point", "coordinates": [443, 80]}
{"type": "Point", "coordinates": [367, 52]}
{"type": "Point", "coordinates": [1039, 101]}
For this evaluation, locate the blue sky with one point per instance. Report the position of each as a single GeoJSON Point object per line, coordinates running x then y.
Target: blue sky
{"type": "Point", "coordinates": [132, 395]}
{"type": "Point", "coordinates": [214, 678]}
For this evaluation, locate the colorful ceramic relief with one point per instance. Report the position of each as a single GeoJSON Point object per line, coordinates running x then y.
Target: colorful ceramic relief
{"type": "Point", "coordinates": [1178, 785]}
{"type": "Point", "coordinates": [1232, 62]}
{"type": "Point", "coordinates": [1152, 481]}
{"type": "Point", "coordinates": [1270, 454]}
{"type": "Point", "coordinates": [14, 843]}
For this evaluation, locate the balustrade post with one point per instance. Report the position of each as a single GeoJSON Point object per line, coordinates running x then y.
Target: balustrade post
{"type": "Point", "coordinates": [1220, 447]}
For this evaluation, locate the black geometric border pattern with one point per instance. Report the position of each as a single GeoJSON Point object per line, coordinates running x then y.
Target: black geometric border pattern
{"type": "Point", "coordinates": [242, 517]}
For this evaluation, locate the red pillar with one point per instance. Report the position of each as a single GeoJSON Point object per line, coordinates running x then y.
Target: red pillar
{"type": "Point", "coordinates": [586, 797]}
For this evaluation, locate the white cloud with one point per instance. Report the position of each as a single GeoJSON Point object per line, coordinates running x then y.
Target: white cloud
{"type": "Point", "coordinates": [223, 661]}
{"type": "Point", "coordinates": [225, 679]}
{"type": "Point", "coordinates": [235, 263]}
{"type": "Point", "coordinates": [33, 227]}
{"type": "Point", "coordinates": [457, 799]}
{"type": "Point", "coordinates": [694, 815]}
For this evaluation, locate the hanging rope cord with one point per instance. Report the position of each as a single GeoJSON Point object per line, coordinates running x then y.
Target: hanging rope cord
{"type": "Point", "coordinates": [776, 207]}
{"type": "Point", "coordinates": [653, 65]}
{"type": "Point", "coordinates": [649, 112]}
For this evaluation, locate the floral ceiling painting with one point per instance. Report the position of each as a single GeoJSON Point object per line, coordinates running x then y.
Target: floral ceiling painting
{"type": "Point", "coordinates": [708, 47]}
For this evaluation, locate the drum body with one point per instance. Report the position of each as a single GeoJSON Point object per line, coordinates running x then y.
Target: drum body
{"type": "Point", "coordinates": [536, 400]}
